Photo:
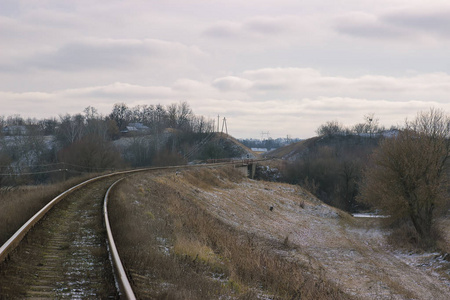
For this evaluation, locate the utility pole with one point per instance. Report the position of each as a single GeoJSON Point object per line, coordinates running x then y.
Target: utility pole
{"type": "Point", "coordinates": [218, 125]}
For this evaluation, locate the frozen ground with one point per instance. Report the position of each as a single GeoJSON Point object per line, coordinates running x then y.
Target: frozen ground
{"type": "Point", "coordinates": [351, 252]}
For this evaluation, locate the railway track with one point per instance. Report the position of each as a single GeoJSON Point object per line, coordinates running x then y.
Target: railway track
{"type": "Point", "coordinates": [66, 255]}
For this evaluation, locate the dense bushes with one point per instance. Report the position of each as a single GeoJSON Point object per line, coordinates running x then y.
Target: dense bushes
{"type": "Point", "coordinates": [409, 177]}
{"type": "Point", "coordinates": [331, 168]}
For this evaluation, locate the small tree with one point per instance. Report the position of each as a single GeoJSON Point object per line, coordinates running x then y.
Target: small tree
{"type": "Point", "coordinates": [330, 128]}
{"type": "Point", "coordinates": [371, 123]}
{"type": "Point", "coordinates": [408, 178]}
{"type": "Point", "coordinates": [91, 154]}
{"type": "Point", "coordinates": [121, 115]}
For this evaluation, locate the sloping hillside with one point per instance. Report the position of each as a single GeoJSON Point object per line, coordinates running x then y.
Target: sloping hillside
{"type": "Point", "coordinates": [325, 242]}
{"type": "Point", "coordinates": [218, 146]}
{"type": "Point", "coordinates": [294, 151]}
{"type": "Point", "coordinates": [250, 152]}
{"type": "Point", "coordinates": [143, 149]}
{"type": "Point", "coordinates": [352, 254]}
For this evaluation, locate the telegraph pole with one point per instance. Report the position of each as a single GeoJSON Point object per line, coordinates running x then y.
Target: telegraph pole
{"type": "Point", "coordinates": [218, 125]}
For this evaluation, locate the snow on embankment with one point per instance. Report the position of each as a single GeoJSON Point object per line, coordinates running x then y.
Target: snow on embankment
{"type": "Point", "coordinates": [349, 253]}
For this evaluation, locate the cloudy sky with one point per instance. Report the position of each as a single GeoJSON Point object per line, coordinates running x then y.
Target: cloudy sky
{"type": "Point", "coordinates": [283, 66]}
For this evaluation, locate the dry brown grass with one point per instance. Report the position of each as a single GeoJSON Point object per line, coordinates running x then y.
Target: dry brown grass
{"type": "Point", "coordinates": [19, 204]}
{"type": "Point", "coordinates": [204, 179]}
{"type": "Point", "coordinates": [183, 252]}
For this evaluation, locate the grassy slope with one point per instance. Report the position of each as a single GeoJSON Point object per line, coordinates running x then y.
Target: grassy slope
{"type": "Point", "coordinates": [331, 246]}
{"type": "Point", "coordinates": [180, 249]}
{"type": "Point", "coordinates": [295, 150]}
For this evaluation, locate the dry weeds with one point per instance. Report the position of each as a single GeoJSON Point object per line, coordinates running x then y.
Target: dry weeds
{"type": "Point", "coordinates": [185, 252]}
{"type": "Point", "coordinates": [223, 236]}
{"type": "Point", "coordinates": [19, 204]}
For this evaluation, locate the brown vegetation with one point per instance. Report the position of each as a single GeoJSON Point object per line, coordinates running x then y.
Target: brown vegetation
{"type": "Point", "coordinates": [408, 179]}
{"type": "Point", "coordinates": [92, 153]}
{"type": "Point", "coordinates": [17, 205]}
{"type": "Point", "coordinates": [330, 167]}
{"type": "Point", "coordinates": [184, 252]}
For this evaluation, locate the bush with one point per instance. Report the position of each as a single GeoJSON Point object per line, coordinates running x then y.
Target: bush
{"type": "Point", "coordinates": [409, 177]}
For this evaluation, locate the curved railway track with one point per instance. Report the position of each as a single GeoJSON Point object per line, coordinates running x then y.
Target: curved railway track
{"type": "Point", "coordinates": [67, 254]}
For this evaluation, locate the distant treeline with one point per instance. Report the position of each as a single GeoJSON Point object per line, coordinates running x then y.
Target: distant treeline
{"type": "Point", "coordinates": [153, 118]}
{"type": "Point", "coordinates": [41, 150]}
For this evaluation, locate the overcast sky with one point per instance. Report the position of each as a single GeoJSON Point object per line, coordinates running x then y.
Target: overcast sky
{"type": "Point", "coordinates": [283, 66]}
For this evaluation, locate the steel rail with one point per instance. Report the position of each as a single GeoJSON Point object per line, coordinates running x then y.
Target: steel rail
{"type": "Point", "coordinates": [120, 275]}
{"type": "Point", "coordinates": [15, 239]}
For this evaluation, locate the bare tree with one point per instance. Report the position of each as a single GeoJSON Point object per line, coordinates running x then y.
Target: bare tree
{"type": "Point", "coordinates": [71, 128]}
{"type": "Point", "coordinates": [371, 123]}
{"type": "Point", "coordinates": [91, 154]}
{"type": "Point", "coordinates": [184, 116]}
{"type": "Point", "coordinates": [409, 176]}
{"type": "Point", "coordinates": [330, 128]}
{"type": "Point", "coordinates": [120, 114]}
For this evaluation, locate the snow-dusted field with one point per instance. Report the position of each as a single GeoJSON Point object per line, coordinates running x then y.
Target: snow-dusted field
{"type": "Point", "coordinates": [351, 252]}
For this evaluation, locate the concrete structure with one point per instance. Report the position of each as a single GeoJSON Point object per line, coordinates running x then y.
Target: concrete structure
{"type": "Point", "coordinates": [248, 168]}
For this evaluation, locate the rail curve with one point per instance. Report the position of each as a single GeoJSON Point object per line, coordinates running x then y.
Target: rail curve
{"type": "Point", "coordinates": [121, 278]}
{"type": "Point", "coordinates": [124, 285]}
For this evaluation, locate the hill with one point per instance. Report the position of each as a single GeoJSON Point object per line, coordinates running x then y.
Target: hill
{"type": "Point", "coordinates": [300, 149]}
{"type": "Point", "coordinates": [245, 234]}
{"type": "Point", "coordinates": [329, 166]}
{"type": "Point", "coordinates": [218, 145]}
{"type": "Point", "coordinates": [180, 147]}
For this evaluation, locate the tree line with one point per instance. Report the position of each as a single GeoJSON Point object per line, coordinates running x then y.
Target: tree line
{"type": "Point", "coordinates": [41, 150]}
{"type": "Point", "coordinates": [370, 127]}
{"type": "Point", "coordinates": [404, 175]}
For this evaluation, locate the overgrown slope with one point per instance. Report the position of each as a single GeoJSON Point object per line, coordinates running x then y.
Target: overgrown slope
{"type": "Point", "coordinates": [281, 222]}
{"type": "Point", "coordinates": [300, 149]}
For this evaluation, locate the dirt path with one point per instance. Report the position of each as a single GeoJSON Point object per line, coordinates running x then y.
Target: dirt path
{"type": "Point", "coordinates": [354, 256]}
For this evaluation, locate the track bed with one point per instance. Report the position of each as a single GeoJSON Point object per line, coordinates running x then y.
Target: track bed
{"type": "Point", "coordinates": [65, 255]}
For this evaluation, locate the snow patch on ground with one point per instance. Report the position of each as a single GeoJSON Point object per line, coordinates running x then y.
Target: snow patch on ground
{"type": "Point", "coordinates": [354, 256]}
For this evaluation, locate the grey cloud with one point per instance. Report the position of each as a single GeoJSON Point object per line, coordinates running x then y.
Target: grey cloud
{"type": "Point", "coordinates": [222, 31]}
{"type": "Point", "coordinates": [367, 26]}
{"type": "Point", "coordinates": [81, 56]}
{"type": "Point", "coordinates": [437, 21]}
{"type": "Point", "coordinates": [232, 83]}
{"type": "Point", "coordinates": [54, 19]}
{"type": "Point", "coordinates": [265, 25]}
{"type": "Point", "coordinates": [253, 27]}
{"type": "Point", "coordinates": [369, 30]}
{"type": "Point", "coordinates": [122, 91]}
{"type": "Point", "coordinates": [110, 54]}
{"type": "Point", "coordinates": [396, 24]}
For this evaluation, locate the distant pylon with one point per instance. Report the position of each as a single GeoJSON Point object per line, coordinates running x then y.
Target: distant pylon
{"type": "Point", "coordinates": [224, 122]}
